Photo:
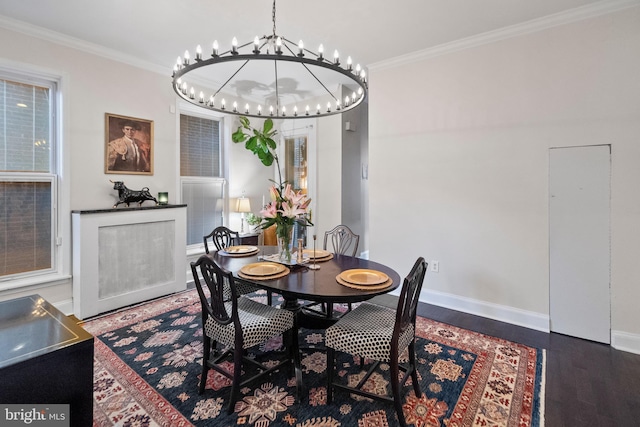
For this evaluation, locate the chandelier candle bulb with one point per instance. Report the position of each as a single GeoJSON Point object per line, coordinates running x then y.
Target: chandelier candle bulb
{"type": "Point", "coordinates": [215, 49]}
{"type": "Point", "coordinates": [223, 103]}
{"type": "Point", "coordinates": [192, 93]}
{"type": "Point", "coordinates": [300, 48]}
{"type": "Point", "coordinates": [279, 46]}
{"type": "Point", "coordinates": [246, 109]}
{"type": "Point", "coordinates": [306, 111]}
{"type": "Point", "coordinates": [336, 57]}
{"type": "Point", "coordinates": [284, 111]}
{"type": "Point", "coordinates": [320, 52]}
{"type": "Point", "coordinates": [295, 111]}
{"type": "Point", "coordinates": [201, 97]}
{"type": "Point", "coordinates": [259, 110]}
{"type": "Point", "coordinates": [198, 53]}
{"type": "Point", "coordinates": [349, 63]}
{"type": "Point", "coordinates": [235, 106]}
{"type": "Point", "coordinates": [186, 57]}
{"type": "Point", "coordinates": [234, 46]}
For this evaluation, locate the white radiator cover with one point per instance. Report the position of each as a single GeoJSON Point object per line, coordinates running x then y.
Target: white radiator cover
{"type": "Point", "coordinates": [125, 256]}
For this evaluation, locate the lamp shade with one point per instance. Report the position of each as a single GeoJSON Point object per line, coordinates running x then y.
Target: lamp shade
{"type": "Point", "coordinates": [243, 205]}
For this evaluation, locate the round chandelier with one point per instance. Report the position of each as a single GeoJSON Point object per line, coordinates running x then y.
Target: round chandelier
{"type": "Point", "coordinates": [270, 77]}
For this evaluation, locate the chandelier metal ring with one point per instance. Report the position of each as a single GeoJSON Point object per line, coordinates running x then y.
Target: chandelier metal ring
{"type": "Point", "coordinates": [329, 87]}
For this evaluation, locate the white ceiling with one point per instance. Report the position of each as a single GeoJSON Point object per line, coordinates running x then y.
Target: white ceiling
{"type": "Point", "coordinates": [158, 31]}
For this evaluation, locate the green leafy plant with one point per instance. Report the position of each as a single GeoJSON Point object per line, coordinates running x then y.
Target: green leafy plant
{"type": "Point", "coordinates": [287, 206]}
{"type": "Point", "coordinates": [259, 141]}
{"type": "Point", "coordinates": [253, 219]}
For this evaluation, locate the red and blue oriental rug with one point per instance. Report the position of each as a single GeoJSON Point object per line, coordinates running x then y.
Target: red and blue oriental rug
{"type": "Point", "coordinates": [148, 362]}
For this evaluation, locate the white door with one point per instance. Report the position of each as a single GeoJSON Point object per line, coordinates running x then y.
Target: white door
{"type": "Point", "coordinates": [579, 241]}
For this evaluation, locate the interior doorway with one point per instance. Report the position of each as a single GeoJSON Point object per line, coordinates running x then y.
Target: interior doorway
{"type": "Point", "coordinates": [579, 241]}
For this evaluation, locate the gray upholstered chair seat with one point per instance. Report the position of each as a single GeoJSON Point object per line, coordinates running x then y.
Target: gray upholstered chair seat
{"type": "Point", "coordinates": [366, 331]}
{"type": "Point", "coordinates": [259, 322]}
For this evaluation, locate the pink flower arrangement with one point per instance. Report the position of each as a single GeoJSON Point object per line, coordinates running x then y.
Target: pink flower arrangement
{"type": "Point", "coordinates": [286, 207]}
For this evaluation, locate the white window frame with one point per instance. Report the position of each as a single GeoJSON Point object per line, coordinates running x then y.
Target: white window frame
{"type": "Point", "coordinates": [184, 108]}
{"type": "Point", "coordinates": [60, 271]}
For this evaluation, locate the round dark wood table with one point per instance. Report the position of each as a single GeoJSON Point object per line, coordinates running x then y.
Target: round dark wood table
{"type": "Point", "coordinates": [303, 283]}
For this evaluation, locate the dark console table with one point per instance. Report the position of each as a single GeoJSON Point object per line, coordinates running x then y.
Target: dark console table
{"type": "Point", "coordinates": [45, 358]}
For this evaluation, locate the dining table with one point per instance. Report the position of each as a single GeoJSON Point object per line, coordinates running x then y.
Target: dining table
{"type": "Point", "coordinates": [303, 283]}
{"type": "Point", "coordinates": [319, 278]}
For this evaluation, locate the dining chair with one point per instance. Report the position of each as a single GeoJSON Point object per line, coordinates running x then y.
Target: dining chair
{"type": "Point", "coordinates": [239, 324]}
{"type": "Point", "coordinates": [222, 238]}
{"type": "Point", "coordinates": [379, 334]}
{"type": "Point", "coordinates": [343, 242]}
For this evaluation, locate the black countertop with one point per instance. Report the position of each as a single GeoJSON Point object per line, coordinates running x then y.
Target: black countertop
{"type": "Point", "coordinates": [31, 327]}
{"type": "Point", "coordinates": [127, 209]}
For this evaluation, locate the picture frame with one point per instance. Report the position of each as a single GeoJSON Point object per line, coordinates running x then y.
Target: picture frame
{"type": "Point", "coordinates": [128, 145]}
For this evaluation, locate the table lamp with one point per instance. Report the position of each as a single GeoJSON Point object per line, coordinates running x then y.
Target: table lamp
{"type": "Point", "coordinates": [243, 206]}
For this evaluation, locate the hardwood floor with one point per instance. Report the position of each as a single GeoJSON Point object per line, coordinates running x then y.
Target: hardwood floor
{"type": "Point", "coordinates": [587, 383]}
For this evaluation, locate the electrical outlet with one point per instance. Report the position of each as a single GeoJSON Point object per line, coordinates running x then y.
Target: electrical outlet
{"type": "Point", "coordinates": [435, 266]}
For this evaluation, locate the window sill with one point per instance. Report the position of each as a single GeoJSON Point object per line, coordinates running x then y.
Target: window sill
{"type": "Point", "coordinates": [36, 281]}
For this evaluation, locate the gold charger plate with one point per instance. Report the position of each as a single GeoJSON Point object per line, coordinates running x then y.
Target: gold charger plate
{"type": "Point", "coordinates": [364, 277]}
{"type": "Point", "coordinates": [240, 250]}
{"type": "Point", "coordinates": [269, 277]}
{"type": "Point", "coordinates": [319, 253]}
{"type": "Point", "coordinates": [383, 285]}
{"type": "Point", "coordinates": [262, 269]}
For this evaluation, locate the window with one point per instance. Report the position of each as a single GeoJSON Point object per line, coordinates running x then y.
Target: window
{"type": "Point", "coordinates": [27, 176]}
{"type": "Point", "coordinates": [296, 162]}
{"type": "Point", "coordinates": [202, 184]}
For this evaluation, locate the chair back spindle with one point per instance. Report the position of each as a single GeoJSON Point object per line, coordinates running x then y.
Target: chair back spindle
{"type": "Point", "coordinates": [343, 240]}
{"type": "Point", "coordinates": [409, 296]}
{"type": "Point", "coordinates": [222, 237]}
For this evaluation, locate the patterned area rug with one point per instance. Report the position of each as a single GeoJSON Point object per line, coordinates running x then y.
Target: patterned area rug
{"type": "Point", "coordinates": [148, 362]}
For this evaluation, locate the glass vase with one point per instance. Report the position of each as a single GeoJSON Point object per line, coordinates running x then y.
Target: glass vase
{"type": "Point", "coordinates": [284, 233]}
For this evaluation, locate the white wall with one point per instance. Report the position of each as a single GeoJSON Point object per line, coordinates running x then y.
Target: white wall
{"type": "Point", "coordinates": [92, 86]}
{"type": "Point", "coordinates": [468, 132]}
{"type": "Point", "coordinates": [328, 199]}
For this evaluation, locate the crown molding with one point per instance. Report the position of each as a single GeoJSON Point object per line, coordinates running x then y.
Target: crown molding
{"type": "Point", "coordinates": [562, 18]}
{"type": "Point", "coordinates": [78, 44]}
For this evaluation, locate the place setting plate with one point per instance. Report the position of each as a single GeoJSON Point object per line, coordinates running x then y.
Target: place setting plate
{"type": "Point", "coordinates": [318, 255]}
{"type": "Point", "coordinates": [263, 271]}
{"type": "Point", "coordinates": [364, 279]}
{"type": "Point", "coordinates": [240, 250]}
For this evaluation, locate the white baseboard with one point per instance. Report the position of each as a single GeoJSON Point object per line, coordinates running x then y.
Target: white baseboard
{"type": "Point", "coordinates": [65, 306]}
{"type": "Point", "coordinates": [625, 341]}
{"type": "Point", "coordinates": [502, 313]}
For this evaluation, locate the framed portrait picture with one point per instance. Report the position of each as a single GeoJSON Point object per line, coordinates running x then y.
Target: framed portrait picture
{"type": "Point", "coordinates": [128, 145]}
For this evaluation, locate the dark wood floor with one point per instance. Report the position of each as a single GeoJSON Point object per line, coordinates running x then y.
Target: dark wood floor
{"type": "Point", "coordinates": [587, 383]}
